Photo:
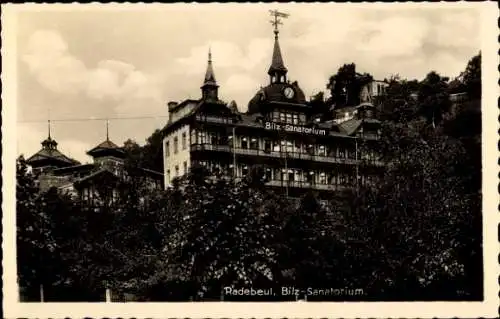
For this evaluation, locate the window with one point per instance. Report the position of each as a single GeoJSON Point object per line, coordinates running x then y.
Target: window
{"type": "Point", "coordinates": [289, 146]}
{"type": "Point", "coordinates": [167, 149]}
{"type": "Point", "coordinates": [342, 179]}
{"type": "Point", "coordinates": [176, 170]}
{"type": "Point", "coordinates": [341, 153]}
{"type": "Point", "coordinates": [201, 137]}
{"type": "Point", "coordinates": [322, 178]}
{"type": "Point", "coordinates": [333, 179]}
{"type": "Point", "coordinates": [291, 175]}
{"type": "Point", "coordinates": [298, 177]}
{"type": "Point", "coordinates": [351, 154]}
{"type": "Point", "coordinates": [310, 177]}
{"type": "Point", "coordinates": [276, 116]}
{"type": "Point", "coordinates": [269, 174]}
{"type": "Point", "coordinates": [184, 141]}
{"type": "Point", "coordinates": [267, 145]}
{"type": "Point", "coordinates": [283, 174]}
{"type": "Point", "coordinates": [276, 146]}
{"type": "Point", "coordinates": [302, 118]}
{"type": "Point", "coordinates": [295, 119]}
{"type": "Point", "coordinates": [176, 145]}
{"type": "Point", "coordinates": [254, 144]}
{"type": "Point", "coordinates": [168, 175]}
{"type": "Point", "coordinates": [213, 138]}
{"type": "Point", "coordinates": [193, 137]}
{"type": "Point", "coordinates": [322, 150]}
{"type": "Point", "coordinates": [244, 142]}
{"type": "Point", "coordinates": [185, 167]}
{"type": "Point", "coordinates": [310, 149]}
{"type": "Point", "coordinates": [244, 170]}
{"type": "Point", "coordinates": [282, 117]}
{"type": "Point", "coordinates": [289, 118]}
{"type": "Point", "coordinates": [297, 147]}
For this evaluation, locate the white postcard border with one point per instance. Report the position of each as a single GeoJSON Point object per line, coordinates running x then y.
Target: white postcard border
{"type": "Point", "coordinates": [490, 112]}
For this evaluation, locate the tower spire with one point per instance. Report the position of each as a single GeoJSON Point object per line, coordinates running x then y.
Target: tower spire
{"type": "Point", "coordinates": [209, 88]}
{"type": "Point", "coordinates": [48, 121]}
{"type": "Point", "coordinates": [209, 74]}
{"type": "Point", "coordinates": [49, 143]}
{"type": "Point", "coordinates": [277, 70]}
{"type": "Point", "coordinates": [107, 130]}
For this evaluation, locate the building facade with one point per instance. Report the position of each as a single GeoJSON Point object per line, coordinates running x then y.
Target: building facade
{"type": "Point", "coordinates": [95, 183]}
{"type": "Point", "coordinates": [280, 131]}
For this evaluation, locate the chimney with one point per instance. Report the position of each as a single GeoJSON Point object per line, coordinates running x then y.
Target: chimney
{"type": "Point", "coordinates": [172, 105]}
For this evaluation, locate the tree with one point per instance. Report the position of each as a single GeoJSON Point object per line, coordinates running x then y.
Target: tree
{"type": "Point", "coordinates": [153, 152]}
{"type": "Point", "coordinates": [345, 86]}
{"type": "Point", "coordinates": [417, 235]}
{"type": "Point", "coordinates": [35, 244]}
{"type": "Point", "coordinates": [150, 155]}
{"type": "Point", "coordinates": [310, 244]}
{"type": "Point", "coordinates": [433, 98]}
{"type": "Point", "coordinates": [472, 77]}
{"type": "Point", "coordinates": [399, 104]}
{"type": "Point", "coordinates": [224, 233]}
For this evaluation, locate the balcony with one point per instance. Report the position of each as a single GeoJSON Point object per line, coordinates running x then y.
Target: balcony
{"type": "Point", "coordinates": [307, 185]}
{"type": "Point", "coordinates": [210, 147]}
{"type": "Point", "coordinates": [277, 154]}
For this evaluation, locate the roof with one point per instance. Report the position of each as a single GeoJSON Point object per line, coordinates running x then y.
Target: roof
{"type": "Point", "coordinates": [73, 168]}
{"type": "Point", "coordinates": [50, 153]}
{"type": "Point", "coordinates": [107, 148]}
{"type": "Point", "coordinates": [350, 126]}
{"type": "Point", "coordinates": [209, 74]}
{"type": "Point", "coordinates": [196, 109]}
{"type": "Point", "coordinates": [94, 174]}
{"type": "Point", "coordinates": [277, 63]}
{"type": "Point", "coordinates": [274, 93]}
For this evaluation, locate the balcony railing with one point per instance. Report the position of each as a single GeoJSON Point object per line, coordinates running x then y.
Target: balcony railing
{"type": "Point", "coordinates": [308, 185]}
{"type": "Point", "coordinates": [278, 154]}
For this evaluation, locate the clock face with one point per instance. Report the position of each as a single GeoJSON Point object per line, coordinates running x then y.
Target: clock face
{"type": "Point", "coordinates": [289, 93]}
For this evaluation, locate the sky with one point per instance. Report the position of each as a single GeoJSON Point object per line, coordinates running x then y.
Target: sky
{"type": "Point", "coordinates": [86, 62]}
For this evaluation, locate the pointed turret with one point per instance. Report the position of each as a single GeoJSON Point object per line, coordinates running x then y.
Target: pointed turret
{"type": "Point", "coordinates": [277, 65]}
{"type": "Point", "coordinates": [49, 155]}
{"type": "Point", "coordinates": [210, 88]}
{"type": "Point", "coordinates": [277, 71]}
{"type": "Point", "coordinates": [107, 149]}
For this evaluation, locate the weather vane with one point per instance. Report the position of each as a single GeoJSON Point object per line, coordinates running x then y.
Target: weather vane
{"type": "Point", "coordinates": [276, 21]}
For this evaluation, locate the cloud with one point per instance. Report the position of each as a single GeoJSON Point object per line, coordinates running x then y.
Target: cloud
{"type": "Point", "coordinates": [135, 70]}
{"type": "Point", "coordinates": [388, 40]}
{"type": "Point", "coordinates": [52, 64]}
{"type": "Point", "coordinates": [240, 87]}
{"type": "Point", "coordinates": [226, 55]}
{"type": "Point", "coordinates": [48, 59]}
